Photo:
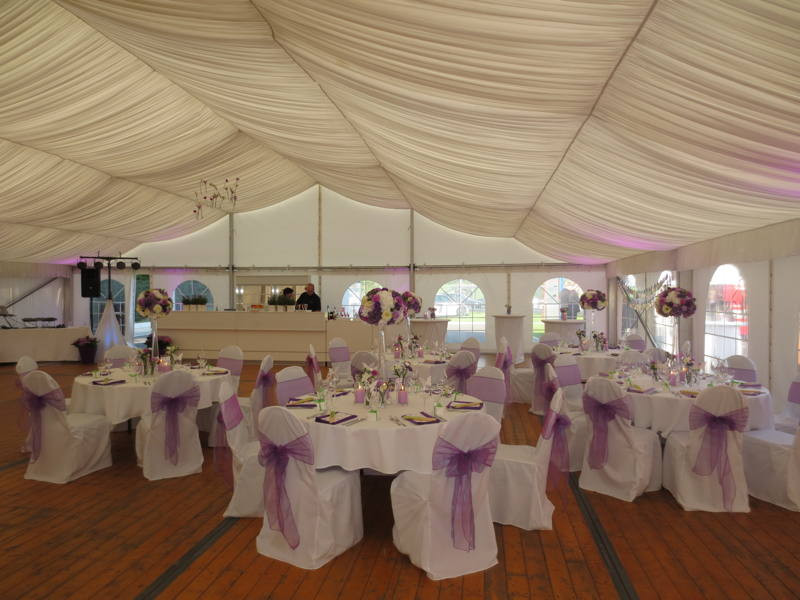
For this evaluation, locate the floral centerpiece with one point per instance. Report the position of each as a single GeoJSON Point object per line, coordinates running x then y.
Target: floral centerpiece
{"type": "Point", "coordinates": [676, 302]}
{"type": "Point", "coordinates": [581, 335]}
{"type": "Point", "coordinates": [600, 340]}
{"type": "Point", "coordinates": [154, 304]}
{"type": "Point", "coordinates": [593, 300]}
{"type": "Point", "coordinates": [401, 370]}
{"type": "Point", "coordinates": [87, 348]}
{"type": "Point", "coordinates": [382, 306]}
{"type": "Point", "coordinates": [147, 360]}
{"type": "Point", "coordinates": [412, 302]}
{"type": "Point", "coordinates": [164, 343]}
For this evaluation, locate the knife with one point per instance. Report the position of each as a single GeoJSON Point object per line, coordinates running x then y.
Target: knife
{"type": "Point", "coordinates": [349, 423]}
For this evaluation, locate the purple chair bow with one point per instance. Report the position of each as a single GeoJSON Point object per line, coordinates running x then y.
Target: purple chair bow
{"type": "Point", "coordinates": [339, 354]}
{"type": "Point", "coordinates": [555, 427]}
{"type": "Point", "coordinates": [234, 365]}
{"type": "Point", "coordinates": [601, 414]}
{"type": "Point", "coordinates": [264, 382]}
{"type": "Point", "coordinates": [794, 392]}
{"type": "Point", "coordinates": [713, 452]}
{"type": "Point", "coordinates": [503, 362]}
{"type": "Point", "coordinates": [460, 464]}
{"type": "Point", "coordinates": [277, 504]}
{"type": "Point", "coordinates": [542, 392]}
{"type": "Point", "coordinates": [568, 374]}
{"type": "Point", "coordinates": [747, 375]}
{"type": "Point", "coordinates": [639, 345]}
{"type": "Point", "coordinates": [461, 374]}
{"type": "Point", "coordinates": [173, 406]}
{"type": "Point", "coordinates": [35, 405]}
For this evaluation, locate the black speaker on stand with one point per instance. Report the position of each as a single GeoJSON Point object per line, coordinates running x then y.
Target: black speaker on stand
{"type": "Point", "coordinates": [90, 283]}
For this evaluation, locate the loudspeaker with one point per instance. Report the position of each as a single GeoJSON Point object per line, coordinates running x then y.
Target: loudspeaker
{"type": "Point", "coordinates": [90, 283]}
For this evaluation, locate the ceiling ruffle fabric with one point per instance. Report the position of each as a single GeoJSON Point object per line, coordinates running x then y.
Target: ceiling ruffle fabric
{"type": "Point", "coordinates": [590, 131]}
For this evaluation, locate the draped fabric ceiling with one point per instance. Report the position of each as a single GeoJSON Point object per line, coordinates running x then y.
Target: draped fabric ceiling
{"type": "Point", "coordinates": [590, 131]}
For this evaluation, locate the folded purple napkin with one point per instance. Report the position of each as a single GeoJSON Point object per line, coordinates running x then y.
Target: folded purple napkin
{"type": "Point", "coordinates": [424, 419]}
{"type": "Point", "coordinates": [430, 361]}
{"type": "Point", "coordinates": [750, 385]}
{"type": "Point", "coordinates": [300, 403]}
{"type": "Point", "coordinates": [650, 390]}
{"type": "Point", "coordinates": [338, 418]}
{"type": "Point", "coordinates": [341, 393]}
{"type": "Point", "coordinates": [103, 382]}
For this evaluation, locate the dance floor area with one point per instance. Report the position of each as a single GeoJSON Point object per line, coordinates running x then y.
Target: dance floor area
{"type": "Point", "coordinates": [113, 534]}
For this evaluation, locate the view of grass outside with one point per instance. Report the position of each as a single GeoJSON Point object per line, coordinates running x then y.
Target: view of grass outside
{"type": "Point", "coordinates": [548, 300]}
{"type": "Point", "coordinates": [463, 303]}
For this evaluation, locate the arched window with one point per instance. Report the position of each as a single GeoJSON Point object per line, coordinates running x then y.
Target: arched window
{"type": "Point", "coordinates": [97, 305]}
{"type": "Point", "coordinates": [351, 300]}
{"type": "Point", "coordinates": [664, 327]}
{"type": "Point", "coordinates": [550, 297]}
{"type": "Point", "coordinates": [629, 322]}
{"type": "Point", "coordinates": [726, 315]}
{"type": "Point", "coordinates": [463, 303]}
{"type": "Point", "coordinates": [189, 289]}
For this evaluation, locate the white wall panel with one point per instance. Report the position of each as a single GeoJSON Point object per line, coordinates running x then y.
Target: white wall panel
{"type": "Point", "coordinates": [46, 302]}
{"type": "Point", "coordinates": [785, 326]}
{"type": "Point", "coordinates": [205, 248]}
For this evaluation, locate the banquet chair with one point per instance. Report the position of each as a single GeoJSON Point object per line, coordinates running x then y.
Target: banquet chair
{"type": "Point", "coordinates": [545, 381]}
{"type": "Point", "coordinates": [772, 466]}
{"type": "Point", "coordinates": [232, 359]}
{"type": "Point", "coordinates": [518, 479]}
{"type": "Point", "coordinates": [621, 460]}
{"type": "Point", "coordinates": [505, 362]}
{"type": "Point", "coordinates": [64, 446]}
{"type": "Point", "coordinates": [569, 380]}
{"type": "Point", "coordinates": [741, 368]}
{"type": "Point", "coordinates": [312, 367]}
{"type": "Point", "coordinates": [265, 381]}
{"type": "Point", "coordinates": [119, 354]}
{"type": "Point", "coordinates": [167, 439]}
{"type": "Point", "coordinates": [789, 419]}
{"type": "Point", "coordinates": [339, 357]}
{"type": "Point", "coordinates": [461, 366]}
{"type": "Point", "coordinates": [635, 342]}
{"type": "Point", "coordinates": [703, 468]}
{"type": "Point", "coordinates": [361, 360]}
{"type": "Point", "coordinates": [656, 355]}
{"type": "Point", "coordinates": [489, 386]}
{"type": "Point", "coordinates": [633, 357]}
{"type": "Point", "coordinates": [551, 338]}
{"type": "Point", "coordinates": [472, 345]}
{"type": "Point", "coordinates": [431, 522]}
{"type": "Point", "coordinates": [313, 515]}
{"type": "Point", "coordinates": [522, 384]}
{"type": "Point", "coordinates": [25, 365]}
{"type": "Point", "coordinates": [291, 383]}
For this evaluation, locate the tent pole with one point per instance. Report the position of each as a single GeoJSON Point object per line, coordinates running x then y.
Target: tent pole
{"type": "Point", "coordinates": [412, 283]}
{"type": "Point", "coordinates": [231, 278]}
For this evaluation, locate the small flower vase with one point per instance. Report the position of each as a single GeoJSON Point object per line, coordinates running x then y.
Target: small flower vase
{"type": "Point", "coordinates": [360, 393]}
{"type": "Point", "coordinates": [402, 395]}
{"type": "Point", "coordinates": [420, 352]}
{"type": "Point", "coordinates": [154, 346]}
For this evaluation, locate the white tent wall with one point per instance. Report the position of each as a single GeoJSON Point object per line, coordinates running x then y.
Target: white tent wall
{"type": "Point", "coordinates": [48, 301]}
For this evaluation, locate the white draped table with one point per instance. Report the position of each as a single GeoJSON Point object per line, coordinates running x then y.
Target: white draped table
{"type": "Point", "coordinates": [41, 344]}
{"type": "Point", "coordinates": [430, 331]}
{"type": "Point", "coordinates": [511, 327]}
{"type": "Point", "coordinates": [428, 367]}
{"type": "Point", "coordinates": [381, 445]}
{"type": "Point", "coordinates": [566, 328]}
{"type": "Point", "coordinates": [123, 401]}
{"type": "Point", "coordinates": [591, 364]}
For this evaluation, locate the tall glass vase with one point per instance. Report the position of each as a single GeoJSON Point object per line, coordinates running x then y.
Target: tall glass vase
{"type": "Point", "coordinates": [382, 350]}
{"type": "Point", "coordinates": [154, 347]}
{"type": "Point", "coordinates": [589, 322]}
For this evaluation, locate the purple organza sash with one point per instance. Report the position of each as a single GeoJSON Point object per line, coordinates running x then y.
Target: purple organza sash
{"type": "Point", "coordinates": [487, 389]}
{"type": "Point", "coordinates": [234, 365]}
{"type": "Point", "coordinates": [502, 362]}
{"type": "Point", "coordinates": [277, 504]}
{"type": "Point", "coordinates": [555, 427]}
{"type": "Point", "coordinates": [460, 464]}
{"type": "Point", "coordinates": [794, 392]}
{"type": "Point", "coordinates": [231, 412]}
{"type": "Point", "coordinates": [35, 405]}
{"type": "Point", "coordinates": [748, 375]}
{"type": "Point", "coordinates": [639, 345]}
{"type": "Point", "coordinates": [293, 388]}
{"type": "Point", "coordinates": [601, 414]}
{"type": "Point", "coordinates": [540, 399]}
{"type": "Point", "coordinates": [339, 354]}
{"type": "Point", "coordinates": [461, 374]}
{"type": "Point", "coordinates": [173, 406]}
{"type": "Point", "coordinates": [312, 363]}
{"type": "Point", "coordinates": [568, 375]}
{"type": "Point", "coordinates": [713, 452]}
{"type": "Point", "coordinates": [117, 363]}
{"type": "Point", "coordinates": [264, 382]}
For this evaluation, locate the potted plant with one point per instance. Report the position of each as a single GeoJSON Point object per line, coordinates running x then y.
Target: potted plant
{"type": "Point", "coordinates": [189, 303]}
{"type": "Point", "coordinates": [273, 301]}
{"type": "Point", "coordinates": [87, 348]}
{"type": "Point", "coordinates": [200, 302]}
{"type": "Point", "coordinates": [285, 301]}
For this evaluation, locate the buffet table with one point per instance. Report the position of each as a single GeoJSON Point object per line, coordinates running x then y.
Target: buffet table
{"type": "Point", "coordinates": [565, 328]}
{"type": "Point", "coordinates": [511, 327]}
{"type": "Point", "coordinates": [42, 344]}
{"type": "Point", "coordinates": [430, 331]}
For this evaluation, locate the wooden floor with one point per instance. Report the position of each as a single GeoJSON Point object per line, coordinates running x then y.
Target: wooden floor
{"type": "Point", "coordinates": [113, 534]}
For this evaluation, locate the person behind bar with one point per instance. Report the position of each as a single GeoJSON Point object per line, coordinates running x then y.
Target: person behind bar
{"type": "Point", "coordinates": [309, 299]}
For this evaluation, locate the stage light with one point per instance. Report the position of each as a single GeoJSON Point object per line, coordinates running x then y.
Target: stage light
{"type": "Point", "coordinates": [121, 264]}
{"type": "Point", "coordinates": [98, 264]}
{"type": "Point", "coordinates": [135, 265]}
{"type": "Point", "coordinates": [82, 265]}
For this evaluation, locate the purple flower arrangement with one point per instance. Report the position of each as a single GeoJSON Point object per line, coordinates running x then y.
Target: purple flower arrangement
{"type": "Point", "coordinates": [85, 341]}
{"type": "Point", "coordinates": [382, 306]}
{"type": "Point", "coordinates": [413, 303]}
{"type": "Point", "coordinates": [675, 302]}
{"type": "Point", "coordinates": [154, 303]}
{"type": "Point", "coordinates": [593, 300]}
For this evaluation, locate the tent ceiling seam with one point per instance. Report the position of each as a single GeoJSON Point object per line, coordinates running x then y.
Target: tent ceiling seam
{"type": "Point", "coordinates": [597, 99]}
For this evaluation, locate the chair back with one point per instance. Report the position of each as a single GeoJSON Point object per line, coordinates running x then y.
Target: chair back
{"type": "Point", "coordinates": [793, 398]}
{"type": "Point", "coordinates": [232, 358]}
{"type": "Point", "coordinates": [552, 449]}
{"type": "Point", "coordinates": [265, 381]}
{"type": "Point", "coordinates": [545, 381]}
{"type": "Point", "coordinates": [635, 342]}
{"type": "Point", "coordinates": [292, 382]}
{"type": "Point", "coordinates": [609, 415]}
{"type": "Point", "coordinates": [460, 368]}
{"type": "Point", "coordinates": [119, 354]}
{"type": "Point", "coordinates": [656, 355]}
{"type": "Point", "coordinates": [633, 357]}
{"type": "Point", "coordinates": [173, 404]}
{"type": "Point", "coordinates": [742, 368]}
{"type": "Point", "coordinates": [25, 365]}
{"type": "Point", "coordinates": [233, 420]}
{"type": "Point", "coordinates": [488, 385]}
{"type": "Point", "coordinates": [569, 380]}
{"type": "Point", "coordinates": [505, 362]}
{"type": "Point", "coordinates": [550, 338]}
{"type": "Point", "coordinates": [47, 409]}
{"type": "Point", "coordinates": [339, 357]}
{"type": "Point", "coordinates": [361, 360]}
{"type": "Point", "coordinates": [472, 345]}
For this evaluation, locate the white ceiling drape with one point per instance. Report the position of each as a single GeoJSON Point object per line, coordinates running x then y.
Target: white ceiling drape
{"type": "Point", "coordinates": [589, 131]}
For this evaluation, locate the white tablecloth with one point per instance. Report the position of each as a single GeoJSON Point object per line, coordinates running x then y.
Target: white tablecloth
{"type": "Point", "coordinates": [512, 327]}
{"type": "Point", "coordinates": [128, 400]}
{"type": "Point", "coordinates": [430, 331]}
{"type": "Point", "coordinates": [43, 345]}
{"type": "Point", "coordinates": [435, 369]}
{"type": "Point", "coordinates": [381, 445]}
{"type": "Point", "coordinates": [594, 363]}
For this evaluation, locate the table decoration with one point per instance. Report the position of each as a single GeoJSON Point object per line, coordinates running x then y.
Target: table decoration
{"type": "Point", "coordinates": [335, 418]}
{"type": "Point", "coordinates": [154, 304]}
{"type": "Point", "coordinates": [382, 307]}
{"type": "Point", "coordinates": [87, 348]}
{"type": "Point", "coordinates": [592, 301]}
{"type": "Point", "coordinates": [679, 303]}
{"type": "Point", "coordinates": [421, 419]}
{"type": "Point", "coordinates": [600, 341]}
{"type": "Point", "coordinates": [464, 405]}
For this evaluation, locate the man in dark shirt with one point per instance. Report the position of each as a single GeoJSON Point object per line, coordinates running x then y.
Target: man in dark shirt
{"type": "Point", "coordinates": [310, 299]}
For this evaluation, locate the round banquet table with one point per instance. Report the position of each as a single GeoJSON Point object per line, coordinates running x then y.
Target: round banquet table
{"type": "Point", "coordinates": [429, 366]}
{"type": "Point", "coordinates": [591, 364]}
{"type": "Point", "coordinates": [382, 445]}
{"type": "Point", "coordinates": [123, 401]}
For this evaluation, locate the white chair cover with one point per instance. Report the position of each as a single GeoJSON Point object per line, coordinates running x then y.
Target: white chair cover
{"type": "Point", "coordinates": [656, 355]}
{"type": "Point", "coordinates": [635, 342]}
{"type": "Point", "coordinates": [551, 338]}
{"type": "Point", "coordinates": [361, 360]}
{"type": "Point", "coordinates": [505, 362]}
{"type": "Point", "coordinates": [231, 358]}
{"type": "Point", "coordinates": [292, 382]}
{"type": "Point", "coordinates": [324, 505]}
{"type": "Point", "coordinates": [569, 380]}
{"type": "Point", "coordinates": [488, 385]}
{"type": "Point", "coordinates": [25, 365]}
{"type": "Point", "coordinates": [472, 345]}
{"type": "Point", "coordinates": [518, 480]}
{"type": "Point", "coordinates": [119, 355]}
{"type": "Point", "coordinates": [545, 381]}
{"type": "Point", "coordinates": [423, 505]}
{"type": "Point", "coordinates": [152, 432]}
{"type": "Point", "coordinates": [772, 466]}
{"type": "Point", "coordinates": [621, 460]}
{"type": "Point", "coordinates": [312, 367]}
{"type": "Point", "coordinates": [461, 366]}
{"type": "Point", "coordinates": [522, 384]}
{"type": "Point", "coordinates": [789, 419]}
{"type": "Point", "coordinates": [724, 487]}
{"type": "Point", "coordinates": [69, 446]}
{"type": "Point", "coordinates": [265, 380]}
{"type": "Point", "coordinates": [339, 357]}
{"type": "Point", "coordinates": [742, 368]}
{"type": "Point", "coordinates": [633, 357]}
